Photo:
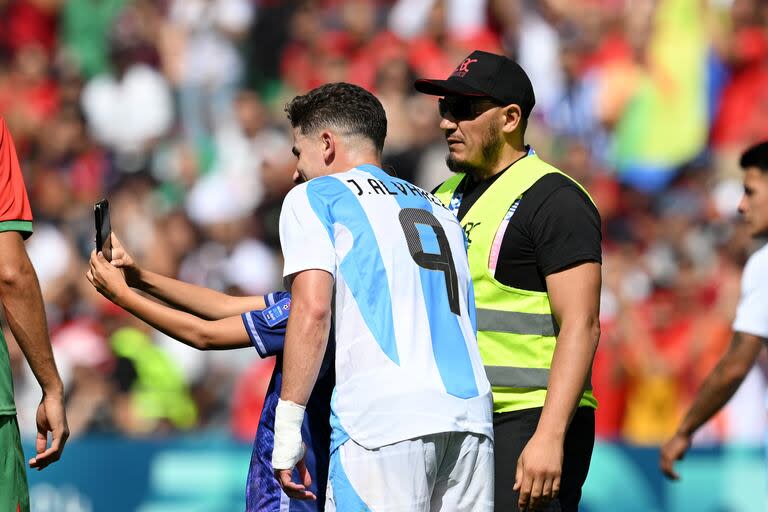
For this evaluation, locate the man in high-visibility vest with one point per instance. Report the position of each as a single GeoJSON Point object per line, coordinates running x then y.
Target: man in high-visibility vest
{"type": "Point", "coordinates": [534, 240]}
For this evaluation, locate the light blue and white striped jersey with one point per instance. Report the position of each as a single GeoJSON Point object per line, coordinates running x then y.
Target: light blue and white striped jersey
{"type": "Point", "coordinates": [407, 362]}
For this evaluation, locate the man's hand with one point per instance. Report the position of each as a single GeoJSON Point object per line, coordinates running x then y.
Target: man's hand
{"type": "Point", "coordinates": [673, 450]}
{"type": "Point", "coordinates": [107, 279]}
{"type": "Point", "coordinates": [295, 490]}
{"type": "Point", "coordinates": [538, 472]}
{"type": "Point", "coordinates": [50, 418]}
{"type": "Point", "coordinates": [289, 450]}
{"type": "Point", "coordinates": [122, 260]}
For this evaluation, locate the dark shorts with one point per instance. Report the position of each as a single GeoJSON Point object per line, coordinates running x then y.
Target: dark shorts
{"type": "Point", "coordinates": [512, 430]}
{"type": "Point", "coordinates": [14, 495]}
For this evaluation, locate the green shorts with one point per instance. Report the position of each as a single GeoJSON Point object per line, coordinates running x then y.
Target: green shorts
{"type": "Point", "coordinates": [14, 494]}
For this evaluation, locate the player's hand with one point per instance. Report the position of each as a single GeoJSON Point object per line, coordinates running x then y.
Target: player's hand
{"type": "Point", "coordinates": [673, 450]}
{"type": "Point", "coordinates": [52, 418]}
{"type": "Point", "coordinates": [289, 450]}
{"type": "Point", "coordinates": [107, 279]}
{"type": "Point", "coordinates": [122, 260]}
{"type": "Point", "coordinates": [538, 472]}
{"type": "Point", "coordinates": [296, 490]}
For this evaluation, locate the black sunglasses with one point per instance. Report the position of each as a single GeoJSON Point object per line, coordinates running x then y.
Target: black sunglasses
{"type": "Point", "coordinates": [463, 108]}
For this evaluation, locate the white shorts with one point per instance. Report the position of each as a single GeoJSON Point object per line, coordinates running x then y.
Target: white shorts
{"type": "Point", "coordinates": [450, 471]}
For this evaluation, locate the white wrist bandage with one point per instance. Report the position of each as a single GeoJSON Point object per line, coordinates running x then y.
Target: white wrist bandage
{"type": "Point", "coordinates": [289, 448]}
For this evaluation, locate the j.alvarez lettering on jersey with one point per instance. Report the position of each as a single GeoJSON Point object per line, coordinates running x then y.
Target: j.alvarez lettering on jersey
{"type": "Point", "coordinates": [372, 186]}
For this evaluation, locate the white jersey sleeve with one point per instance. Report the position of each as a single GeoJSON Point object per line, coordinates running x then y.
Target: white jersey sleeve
{"type": "Point", "coordinates": [304, 238]}
{"type": "Point", "coordinates": [752, 313]}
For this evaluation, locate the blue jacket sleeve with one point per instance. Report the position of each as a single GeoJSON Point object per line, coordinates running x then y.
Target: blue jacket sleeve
{"type": "Point", "coordinates": [266, 327]}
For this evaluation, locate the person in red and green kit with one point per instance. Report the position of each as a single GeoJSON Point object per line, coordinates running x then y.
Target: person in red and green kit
{"type": "Point", "coordinates": [23, 308]}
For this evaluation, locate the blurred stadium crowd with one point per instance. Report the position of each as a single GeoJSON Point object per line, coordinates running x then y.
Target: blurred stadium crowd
{"type": "Point", "coordinates": [172, 109]}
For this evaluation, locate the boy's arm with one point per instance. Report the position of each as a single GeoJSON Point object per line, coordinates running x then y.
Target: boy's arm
{"type": "Point", "coordinates": [222, 334]}
{"type": "Point", "coordinates": [266, 328]}
{"type": "Point", "coordinates": [198, 300]}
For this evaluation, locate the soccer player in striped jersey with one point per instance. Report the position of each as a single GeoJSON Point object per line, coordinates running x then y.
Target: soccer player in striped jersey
{"type": "Point", "coordinates": [411, 410]}
{"type": "Point", "coordinates": [223, 322]}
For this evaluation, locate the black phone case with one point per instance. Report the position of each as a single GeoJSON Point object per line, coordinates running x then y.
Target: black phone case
{"type": "Point", "coordinates": [103, 228]}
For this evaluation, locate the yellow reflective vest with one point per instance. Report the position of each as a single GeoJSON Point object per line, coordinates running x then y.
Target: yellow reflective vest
{"type": "Point", "coordinates": [517, 332]}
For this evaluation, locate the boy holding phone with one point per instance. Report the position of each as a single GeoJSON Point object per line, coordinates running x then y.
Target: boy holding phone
{"type": "Point", "coordinates": [224, 322]}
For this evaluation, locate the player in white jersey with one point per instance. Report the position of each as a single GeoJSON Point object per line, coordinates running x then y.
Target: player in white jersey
{"type": "Point", "coordinates": [750, 327]}
{"type": "Point", "coordinates": [411, 411]}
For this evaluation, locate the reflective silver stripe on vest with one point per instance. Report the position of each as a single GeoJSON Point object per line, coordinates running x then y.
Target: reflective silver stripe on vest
{"type": "Point", "coordinates": [511, 377]}
{"type": "Point", "coordinates": [533, 378]}
{"type": "Point", "coordinates": [516, 323]}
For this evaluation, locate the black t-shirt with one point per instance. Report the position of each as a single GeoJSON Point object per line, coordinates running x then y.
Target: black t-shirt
{"type": "Point", "coordinates": [555, 226]}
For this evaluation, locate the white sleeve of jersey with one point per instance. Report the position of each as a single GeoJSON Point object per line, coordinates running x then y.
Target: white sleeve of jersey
{"type": "Point", "coordinates": [304, 237]}
{"type": "Point", "coordinates": [752, 313]}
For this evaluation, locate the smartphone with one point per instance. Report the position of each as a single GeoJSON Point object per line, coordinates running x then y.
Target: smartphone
{"type": "Point", "coordinates": [103, 228]}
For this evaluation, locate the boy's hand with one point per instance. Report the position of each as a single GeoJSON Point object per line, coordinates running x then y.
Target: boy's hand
{"type": "Point", "coordinates": [107, 279]}
{"type": "Point", "coordinates": [122, 260]}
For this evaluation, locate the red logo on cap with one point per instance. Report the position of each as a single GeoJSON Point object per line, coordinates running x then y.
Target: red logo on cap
{"type": "Point", "coordinates": [463, 68]}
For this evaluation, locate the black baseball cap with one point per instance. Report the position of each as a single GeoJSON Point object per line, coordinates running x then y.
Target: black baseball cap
{"type": "Point", "coordinates": [485, 74]}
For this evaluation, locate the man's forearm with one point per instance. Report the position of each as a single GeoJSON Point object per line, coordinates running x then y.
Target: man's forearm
{"type": "Point", "coordinates": [24, 311]}
{"type": "Point", "coordinates": [571, 363]}
{"type": "Point", "coordinates": [306, 340]}
{"type": "Point", "coordinates": [723, 381]}
{"type": "Point", "coordinates": [715, 392]}
{"type": "Point", "coordinates": [198, 300]}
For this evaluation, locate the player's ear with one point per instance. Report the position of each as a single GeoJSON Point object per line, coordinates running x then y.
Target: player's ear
{"type": "Point", "coordinates": [328, 146]}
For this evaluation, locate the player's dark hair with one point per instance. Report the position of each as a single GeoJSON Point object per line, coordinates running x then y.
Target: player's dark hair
{"type": "Point", "coordinates": [756, 156]}
{"type": "Point", "coordinates": [345, 107]}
